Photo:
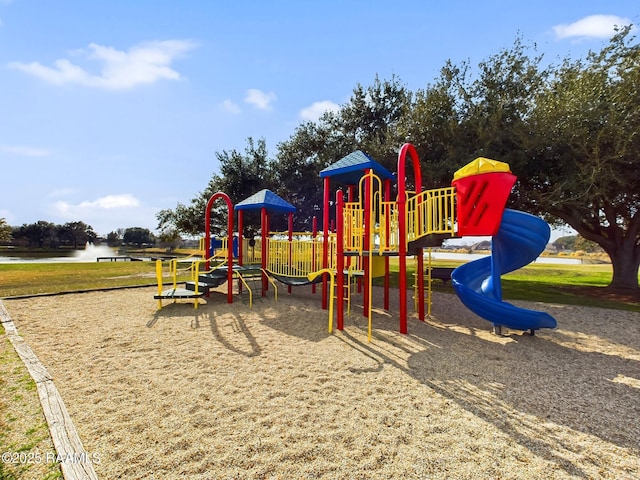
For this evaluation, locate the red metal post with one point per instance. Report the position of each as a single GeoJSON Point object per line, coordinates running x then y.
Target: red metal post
{"type": "Point", "coordinates": [264, 226]}
{"type": "Point", "coordinates": [340, 259]}
{"type": "Point", "coordinates": [387, 215]}
{"type": "Point", "coordinates": [325, 243]}
{"type": "Point", "coordinates": [351, 198]}
{"type": "Point", "coordinates": [240, 243]}
{"type": "Point", "coordinates": [367, 239]}
{"type": "Point", "coordinates": [240, 237]}
{"type": "Point", "coordinates": [407, 149]}
{"type": "Point", "coordinates": [207, 237]}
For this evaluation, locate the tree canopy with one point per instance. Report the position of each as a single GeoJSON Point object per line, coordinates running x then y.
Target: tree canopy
{"type": "Point", "coordinates": [138, 236]}
{"type": "Point", "coordinates": [568, 131]}
{"type": "Point", "coordinates": [5, 231]}
{"type": "Point", "coordinates": [75, 234]}
{"type": "Point", "coordinates": [586, 154]}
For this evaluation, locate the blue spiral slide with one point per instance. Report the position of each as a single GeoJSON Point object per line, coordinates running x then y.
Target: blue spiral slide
{"type": "Point", "coordinates": [521, 238]}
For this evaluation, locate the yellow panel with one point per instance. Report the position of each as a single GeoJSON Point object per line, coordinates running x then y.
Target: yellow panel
{"type": "Point", "coordinates": [377, 267]}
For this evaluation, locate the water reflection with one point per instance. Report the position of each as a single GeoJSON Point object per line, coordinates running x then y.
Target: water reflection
{"type": "Point", "coordinates": [90, 253]}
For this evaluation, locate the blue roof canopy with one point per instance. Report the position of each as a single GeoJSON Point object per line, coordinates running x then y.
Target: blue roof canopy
{"type": "Point", "coordinates": [266, 199]}
{"type": "Point", "coordinates": [350, 169]}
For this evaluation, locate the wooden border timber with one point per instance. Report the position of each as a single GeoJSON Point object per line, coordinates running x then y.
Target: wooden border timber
{"type": "Point", "coordinates": [75, 461]}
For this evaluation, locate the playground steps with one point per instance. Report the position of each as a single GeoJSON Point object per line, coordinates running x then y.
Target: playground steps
{"type": "Point", "coordinates": [249, 282]}
{"type": "Point", "coordinates": [208, 280]}
{"type": "Point", "coordinates": [214, 278]}
{"type": "Point", "coordinates": [177, 293]}
{"type": "Point", "coordinates": [351, 278]}
{"type": "Point", "coordinates": [203, 288]}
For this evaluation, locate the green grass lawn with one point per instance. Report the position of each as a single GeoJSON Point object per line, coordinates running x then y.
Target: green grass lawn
{"type": "Point", "coordinates": [548, 283]}
{"type": "Point", "coordinates": [35, 278]}
{"type": "Point", "coordinates": [24, 434]}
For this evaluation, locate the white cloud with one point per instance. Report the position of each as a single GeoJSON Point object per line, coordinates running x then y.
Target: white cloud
{"type": "Point", "coordinates": [24, 151]}
{"type": "Point", "coordinates": [259, 99]}
{"type": "Point", "coordinates": [317, 109]}
{"type": "Point", "coordinates": [105, 203]}
{"type": "Point", "coordinates": [593, 26]}
{"type": "Point", "coordinates": [105, 214]}
{"type": "Point", "coordinates": [142, 64]}
{"type": "Point", "coordinates": [231, 107]}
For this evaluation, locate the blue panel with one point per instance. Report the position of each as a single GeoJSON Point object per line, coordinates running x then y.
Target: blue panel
{"type": "Point", "coordinates": [350, 169]}
{"type": "Point", "coordinates": [266, 199]}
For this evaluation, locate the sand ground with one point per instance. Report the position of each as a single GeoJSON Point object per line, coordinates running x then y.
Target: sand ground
{"type": "Point", "coordinates": [226, 391]}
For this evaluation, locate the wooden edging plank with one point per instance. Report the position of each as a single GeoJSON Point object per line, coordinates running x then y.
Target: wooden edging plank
{"type": "Point", "coordinates": [75, 462]}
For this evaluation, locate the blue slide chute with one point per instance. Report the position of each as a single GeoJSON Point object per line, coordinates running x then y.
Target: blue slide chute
{"type": "Point", "coordinates": [521, 238]}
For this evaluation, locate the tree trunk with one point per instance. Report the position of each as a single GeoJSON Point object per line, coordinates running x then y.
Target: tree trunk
{"type": "Point", "coordinates": [625, 261]}
{"type": "Point", "coordinates": [623, 248]}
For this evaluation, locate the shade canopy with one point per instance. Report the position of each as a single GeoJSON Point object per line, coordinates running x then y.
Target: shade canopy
{"type": "Point", "coordinates": [268, 200]}
{"type": "Point", "coordinates": [350, 169]}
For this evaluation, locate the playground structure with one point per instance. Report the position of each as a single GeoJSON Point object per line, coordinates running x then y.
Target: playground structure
{"type": "Point", "coordinates": [372, 225]}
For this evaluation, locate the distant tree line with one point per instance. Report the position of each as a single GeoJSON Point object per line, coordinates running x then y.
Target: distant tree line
{"type": "Point", "coordinates": [43, 234]}
{"type": "Point", "coordinates": [575, 243]}
{"type": "Point", "coordinates": [5, 231]}
{"type": "Point", "coordinates": [568, 131]}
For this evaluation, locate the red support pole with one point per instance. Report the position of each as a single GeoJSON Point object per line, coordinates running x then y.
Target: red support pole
{"type": "Point", "coordinates": [240, 243]}
{"type": "Point", "coordinates": [351, 189]}
{"type": "Point", "coordinates": [340, 260]}
{"type": "Point", "coordinates": [207, 237]}
{"type": "Point", "coordinates": [240, 236]}
{"type": "Point", "coordinates": [387, 215]}
{"type": "Point", "coordinates": [402, 251]}
{"type": "Point", "coordinates": [367, 239]}
{"type": "Point", "coordinates": [325, 243]}
{"type": "Point", "coordinates": [264, 226]}
{"type": "Point", "coordinates": [407, 149]}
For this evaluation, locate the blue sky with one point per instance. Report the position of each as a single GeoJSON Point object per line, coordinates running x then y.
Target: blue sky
{"type": "Point", "coordinates": [111, 111]}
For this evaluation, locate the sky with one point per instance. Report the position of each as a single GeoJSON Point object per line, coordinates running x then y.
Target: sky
{"type": "Point", "coordinates": [113, 110]}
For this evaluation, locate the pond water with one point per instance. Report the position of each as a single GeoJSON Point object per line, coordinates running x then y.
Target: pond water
{"type": "Point", "coordinates": [89, 254]}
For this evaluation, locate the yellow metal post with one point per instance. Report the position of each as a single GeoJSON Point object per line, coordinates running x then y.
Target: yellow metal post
{"type": "Point", "coordinates": [331, 273]}
{"type": "Point", "coordinates": [429, 267]}
{"type": "Point", "coordinates": [196, 274]}
{"type": "Point", "coordinates": [159, 279]}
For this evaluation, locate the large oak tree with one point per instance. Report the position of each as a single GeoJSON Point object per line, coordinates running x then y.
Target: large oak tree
{"type": "Point", "coordinates": [584, 166]}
